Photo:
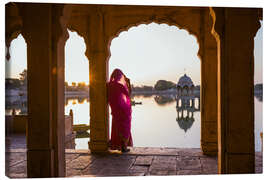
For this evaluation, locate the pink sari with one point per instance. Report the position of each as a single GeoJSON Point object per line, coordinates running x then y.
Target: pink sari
{"type": "Point", "coordinates": [119, 101]}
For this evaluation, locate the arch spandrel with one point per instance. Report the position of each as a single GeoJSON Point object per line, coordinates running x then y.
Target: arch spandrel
{"type": "Point", "coordinates": [120, 19]}
{"type": "Point", "coordinates": [99, 24]}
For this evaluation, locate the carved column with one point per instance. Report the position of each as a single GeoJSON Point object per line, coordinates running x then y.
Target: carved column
{"type": "Point", "coordinates": [97, 54]}
{"type": "Point", "coordinates": [60, 16]}
{"type": "Point", "coordinates": [208, 86]}
{"type": "Point", "coordinates": [234, 29]}
{"type": "Point", "coordinates": [45, 36]}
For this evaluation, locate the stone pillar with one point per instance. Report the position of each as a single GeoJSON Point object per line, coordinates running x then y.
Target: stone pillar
{"type": "Point", "coordinates": [208, 91]}
{"type": "Point", "coordinates": [97, 54]}
{"type": "Point", "coordinates": [199, 103]}
{"type": "Point", "coordinates": [45, 38]}
{"type": "Point", "coordinates": [234, 29]}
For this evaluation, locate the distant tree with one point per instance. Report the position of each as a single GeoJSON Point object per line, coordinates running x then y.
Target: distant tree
{"type": "Point", "coordinates": [147, 88]}
{"type": "Point", "coordinates": [23, 77]}
{"type": "Point", "coordinates": [73, 84]}
{"type": "Point", "coordinates": [66, 84]}
{"type": "Point", "coordinates": [162, 85]}
{"type": "Point", "coordinates": [141, 88]}
{"type": "Point", "coordinates": [81, 86]}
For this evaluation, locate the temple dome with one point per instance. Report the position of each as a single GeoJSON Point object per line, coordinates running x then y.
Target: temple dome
{"type": "Point", "coordinates": [185, 81]}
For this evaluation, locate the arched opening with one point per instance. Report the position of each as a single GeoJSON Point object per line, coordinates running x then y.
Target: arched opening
{"type": "Point", "coordinates": [258, 89]}
{"type": "Point", "coordinates": [16, 90]}
{"type": "Point", "coordinates": [77, 92]}
{"type": "Point", "coordinates": [157, 52]}
{"type": "Point", "coordinates": [16, 104]}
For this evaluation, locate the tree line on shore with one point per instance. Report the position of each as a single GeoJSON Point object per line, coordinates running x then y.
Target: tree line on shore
{"type": "Point", "coordinates": [160, 85]}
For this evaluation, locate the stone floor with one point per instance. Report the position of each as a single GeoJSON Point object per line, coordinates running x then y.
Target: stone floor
{"type": "Point", "coordinates": [138, 162]}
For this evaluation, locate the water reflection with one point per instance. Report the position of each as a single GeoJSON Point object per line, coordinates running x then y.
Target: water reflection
{"type": "Point", "coordinates": [154, 123]}
{"type": "Point", "coordinates": [259, 96]}
{"type": "Point", "coordinates": [163, 100]}
{"type": "Point", "coordinates": [185, 106]}
{"type": "Point", "coordinates": [185, 123]}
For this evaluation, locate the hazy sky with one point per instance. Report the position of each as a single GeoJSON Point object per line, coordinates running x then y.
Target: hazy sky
{"type": "Point", "coordinates": [151, 52]}
{"type": "Point", "coordinates": [145, 53]}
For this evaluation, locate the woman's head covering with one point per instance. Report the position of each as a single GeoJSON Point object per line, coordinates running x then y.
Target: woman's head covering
{"type": "Point", "coordinates": [116, 75]}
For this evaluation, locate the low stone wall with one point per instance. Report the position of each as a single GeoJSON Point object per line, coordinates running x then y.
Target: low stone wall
{"type": "Point", "coordinates": [17, 124]}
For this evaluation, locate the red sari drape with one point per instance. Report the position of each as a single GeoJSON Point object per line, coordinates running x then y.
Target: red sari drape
{"type": "Point", "coordinates": [119, 101]}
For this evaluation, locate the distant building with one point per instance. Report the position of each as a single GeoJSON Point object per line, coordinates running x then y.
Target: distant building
{"type": "Point", "coordinates": [185, 86]}
{"type": "Point", "coordinates": [185, 102]}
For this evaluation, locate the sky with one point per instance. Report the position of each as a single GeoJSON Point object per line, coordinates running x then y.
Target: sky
{"type": "Point", "coordinates": [146, 54]}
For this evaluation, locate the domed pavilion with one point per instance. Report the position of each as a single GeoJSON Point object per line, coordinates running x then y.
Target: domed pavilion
{"type": "Point", "coordinates": [185, 86]}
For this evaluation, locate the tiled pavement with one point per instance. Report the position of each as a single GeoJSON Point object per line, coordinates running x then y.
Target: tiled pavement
{"type": "Point", "coordinates": [138, 162]}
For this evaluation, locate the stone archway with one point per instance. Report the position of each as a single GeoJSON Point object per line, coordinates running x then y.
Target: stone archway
{"type": "Point", "coordinates": [45, 34]}
{"type": "Point", "coordinates": [234, 30]}
{"type": "Point", "coordinates": [99, 24]}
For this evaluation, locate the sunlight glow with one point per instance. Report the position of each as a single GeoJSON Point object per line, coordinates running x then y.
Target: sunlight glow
{"type": "Point", "coordinates": [77, 64]}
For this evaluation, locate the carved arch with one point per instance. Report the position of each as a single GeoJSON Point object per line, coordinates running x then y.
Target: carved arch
{"type": "Point", "coordinates": [153, 19]}
{"type": "Point", "coordinates": [13, 25]}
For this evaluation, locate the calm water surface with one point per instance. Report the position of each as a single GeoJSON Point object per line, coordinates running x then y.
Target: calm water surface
{"type": "Point", "coordinates": [154, 123]}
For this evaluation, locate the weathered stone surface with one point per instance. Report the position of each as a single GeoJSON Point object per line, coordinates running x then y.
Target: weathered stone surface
{"type": "Point", "coordinates": [209, 164]}
{"type": "Point", "coordinates": [72, 172]}
{"type": "Point", "coordinates": [20, 169]}
{"type": "Point", "coordinates": [140, 168]}
{"type": "Point", "coordinates": [188, 163]}
{"type": "Point", "coordinates": [77, 151]}
{"type": "Point", "coordinates": [14, 175]}
{"type": "Point", "coordinates": [15, 158]}
{"type": "Point", "coordinates": [90, 165]}
{"type": "Point", "coordinates": [153, 151]}
{"type": "Point", "coordinates": [144, 160]}
{"type": "Point", "coordinates": [190, 152]}
{"type": "Point", "coordinates": [71, 157]}
{"type": "Point", "coordinates": [80, 162]}
{"type": "Point", "coordinates": [258, 170]}
{"type": "Point", "coordinates": [157, 172]}
{"type": "Point", "coordinates": [188, 172]}
{"type": "Point", "coordinates": [163, 163]}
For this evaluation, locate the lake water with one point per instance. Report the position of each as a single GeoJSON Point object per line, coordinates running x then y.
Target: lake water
{"type": "Point", "coordinates": [154, 123]}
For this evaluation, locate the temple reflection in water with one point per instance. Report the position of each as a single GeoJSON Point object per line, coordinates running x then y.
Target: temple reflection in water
{"type": "Point", "coordinates": [186, 102]}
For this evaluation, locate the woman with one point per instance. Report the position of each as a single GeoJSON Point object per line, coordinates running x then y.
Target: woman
{"type": "Point", "coordinates": [119, 101]}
